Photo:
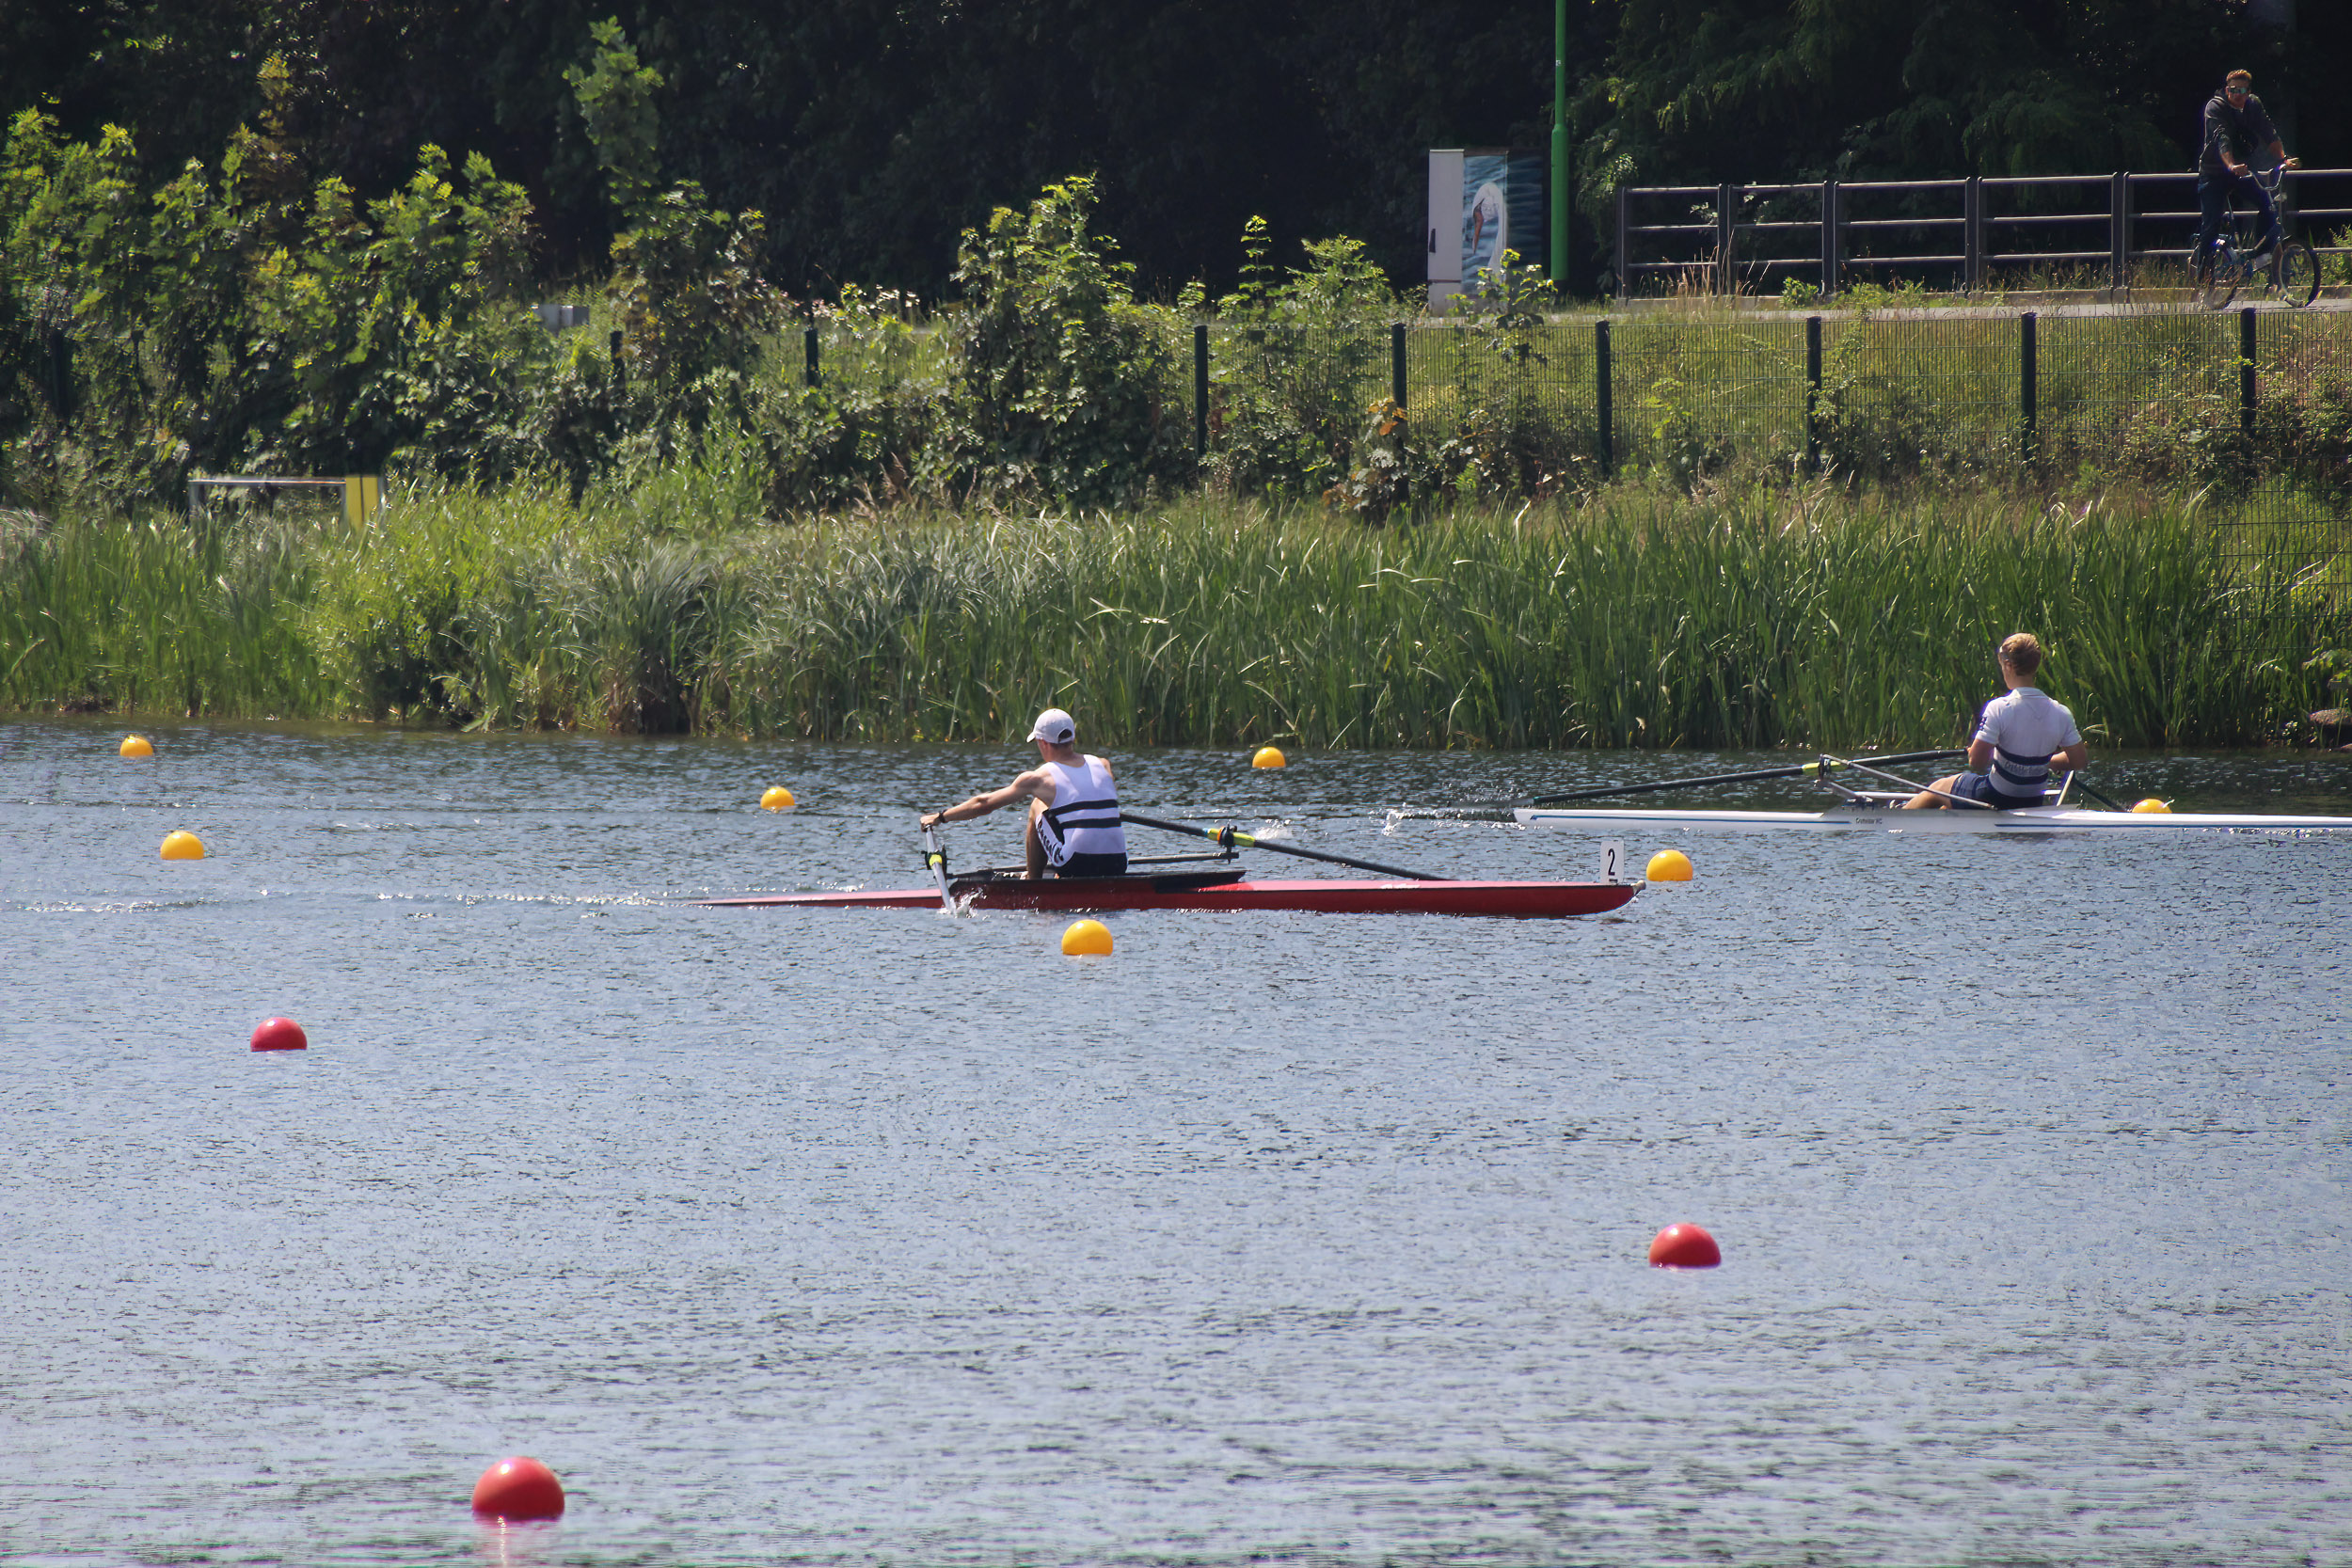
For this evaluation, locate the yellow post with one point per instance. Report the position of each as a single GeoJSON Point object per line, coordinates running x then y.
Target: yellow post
{"type": "Point", "coordinates": [363, 497]}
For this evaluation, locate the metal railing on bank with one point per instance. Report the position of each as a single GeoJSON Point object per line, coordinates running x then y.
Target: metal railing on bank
{"type": "Point", "coordinates": [1956, 233]}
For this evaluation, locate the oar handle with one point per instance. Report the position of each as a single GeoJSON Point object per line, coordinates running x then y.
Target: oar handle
{"type": "Point", "coordinates": [1230, 837]}
{"type": "Point", "coordinates": [936, 858]}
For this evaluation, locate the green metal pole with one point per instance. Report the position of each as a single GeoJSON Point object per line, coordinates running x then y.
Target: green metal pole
{"type": "Point", "coordinates": [1558, 251]}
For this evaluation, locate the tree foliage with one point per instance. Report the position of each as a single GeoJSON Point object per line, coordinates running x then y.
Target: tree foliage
{"type": "Point", "coordinates": [1755, 90]}
{"type": "Point", "coordinates": [871, 134]}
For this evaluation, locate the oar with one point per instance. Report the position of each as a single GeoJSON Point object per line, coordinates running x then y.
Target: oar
{"type": "Point", "coordinates": [936, 858]}
{"type": "Point", "coordinates": [1802, 770]}
{"type": "Point", "coordinates": [2103, 800]}
{"type": "Point", "coordinates": [1912, 785]}
{"type": "Point", "coordinates": [1230, 837]}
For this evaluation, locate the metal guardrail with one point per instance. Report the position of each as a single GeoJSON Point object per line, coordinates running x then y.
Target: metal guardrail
{"type": "Point", "coordinates": [1725, 236]}
{"type": "Point", "coordinates": [362, 495]}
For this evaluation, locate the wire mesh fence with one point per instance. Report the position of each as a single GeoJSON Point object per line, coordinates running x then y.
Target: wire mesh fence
{"type": "Point", "coordinates": [1689, 397]}
{"type": "Point", "coordinates": [2106, 379]}
{"type": "Point", "coordinates": [2247, 416]}
{"type": "Point", "coordinates": [2248, 413]}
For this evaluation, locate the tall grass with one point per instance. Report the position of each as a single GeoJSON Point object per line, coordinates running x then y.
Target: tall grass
{"type": "Point", "coordinates": [153, 615]}
{"type": "Point", "coordinates": [1771, 617]}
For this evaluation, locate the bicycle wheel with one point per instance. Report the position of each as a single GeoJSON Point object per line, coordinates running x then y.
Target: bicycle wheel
{"type": "Point", "coordinates": [2216, 285]}
{"type": "Point", "coordinates": [2295, 278]}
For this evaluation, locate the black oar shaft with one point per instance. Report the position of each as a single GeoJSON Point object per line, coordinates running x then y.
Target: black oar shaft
{"type": "Point", "coordinates": [2107, 801]}
{"type": "Point", "coordinates": [1230, 838]}
{"type": "Point", "coordinates": [1754, 775]}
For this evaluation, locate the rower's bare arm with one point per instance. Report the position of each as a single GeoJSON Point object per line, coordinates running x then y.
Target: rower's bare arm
{"type": "Point", "coordinates": [1038, 785]}
{"type": "Point", "coordinates": [1979, 755]}
{"type": "Point", "coordinates": [2074, 759]}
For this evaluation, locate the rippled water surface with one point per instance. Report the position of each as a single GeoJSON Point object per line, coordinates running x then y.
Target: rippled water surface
{"type": "Point", "coordinates": [808, 1237]}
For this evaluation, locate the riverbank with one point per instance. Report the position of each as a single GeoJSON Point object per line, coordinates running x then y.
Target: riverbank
{"type": "Point", "coordinates": [1767, 617]}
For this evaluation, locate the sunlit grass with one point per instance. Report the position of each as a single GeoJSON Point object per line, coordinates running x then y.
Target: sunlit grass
{"type": "Point", "coordinates": [1767, 617]}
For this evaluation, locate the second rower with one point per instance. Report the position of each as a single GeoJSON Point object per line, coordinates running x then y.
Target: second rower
{"type": "Point", "coordinates": [2019, 736]}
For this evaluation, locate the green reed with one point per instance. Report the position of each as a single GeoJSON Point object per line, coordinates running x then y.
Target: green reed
{"type": "Point", "coordinates": [1773, 617]}
{"type": "Point", "coordinates": [152, 615]}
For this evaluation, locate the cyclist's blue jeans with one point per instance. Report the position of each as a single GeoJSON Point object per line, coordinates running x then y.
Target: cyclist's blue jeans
{"type": "Point", "coordinates": [2213, 200]}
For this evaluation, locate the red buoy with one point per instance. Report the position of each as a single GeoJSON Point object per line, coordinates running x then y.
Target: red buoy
{"type": "Point", "coordinates": [1684, 1246]}
{"type": "Point", "coordinates": [518, 1488]}
{"type": "Point", "coordinates": [280, 1034]}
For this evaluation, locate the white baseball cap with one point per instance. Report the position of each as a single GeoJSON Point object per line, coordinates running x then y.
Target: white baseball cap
{"type": "Point", "coordinates": [1055, 726]}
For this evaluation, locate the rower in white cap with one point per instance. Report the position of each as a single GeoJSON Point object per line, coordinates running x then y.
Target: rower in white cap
{"type": "Point", "coordinates": [1074, 828]}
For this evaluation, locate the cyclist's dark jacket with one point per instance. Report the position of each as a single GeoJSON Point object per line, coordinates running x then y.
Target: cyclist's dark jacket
{"type": "Point", "coordinates": [2245, 131]}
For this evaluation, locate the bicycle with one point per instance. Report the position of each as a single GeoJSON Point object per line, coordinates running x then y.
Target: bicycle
{"type": "Point", "coordinates": [2290, 275]}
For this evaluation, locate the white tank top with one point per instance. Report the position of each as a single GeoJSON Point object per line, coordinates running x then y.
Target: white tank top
{"type": "Point", "coordinates": [1084, 817]}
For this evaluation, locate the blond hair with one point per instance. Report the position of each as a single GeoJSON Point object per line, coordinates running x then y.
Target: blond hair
{"type": "Point", "coordinates": [2245, 76]}
{"type": "Point", "coordinates": [2021, 652]}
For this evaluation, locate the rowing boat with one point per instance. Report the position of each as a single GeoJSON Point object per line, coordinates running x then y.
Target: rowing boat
{"type": "Point", "coordinates": [1225, 891]}
{"type": "Point", "coordinates": [1220, 886]}
{"type": "Point", "coordinates": [1884, 813]}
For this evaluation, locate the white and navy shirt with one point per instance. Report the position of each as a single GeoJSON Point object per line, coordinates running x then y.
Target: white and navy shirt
{"type": "Point", "coordinates": [2024, 727]}
{"type": "Point", "coordinates": [1084, 817]}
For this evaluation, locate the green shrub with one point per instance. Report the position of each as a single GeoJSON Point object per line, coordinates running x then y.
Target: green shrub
{"type": "Point", "coordinates": [1512, 443]}
{"type": "Point", "coordinates": [1066, 388]}
{"type": "Point", "coordinates": [1296, 359]}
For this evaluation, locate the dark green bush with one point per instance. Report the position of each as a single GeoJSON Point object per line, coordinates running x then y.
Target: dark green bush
{"type": "Point", "coordinates": [1297, 360]}
{"type": "Point", "coordinates": [1066, 388]}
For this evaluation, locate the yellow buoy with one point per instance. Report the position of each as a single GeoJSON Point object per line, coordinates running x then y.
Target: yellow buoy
{"type": "Point", "coordinates": [183, 846]}
{"type": "Point", "coordinates": [1269, 756]}
{"type": "Point", "coordinates": [2152, 806]}
{"type": "Point", "coordinates": [777, 798]}
{"type": "Point", "coordinates": [1089, 939]}
{"type": "Point", "coordinates": [1669, 865]}
{"type": "Point", "coordinates": [137, 745]}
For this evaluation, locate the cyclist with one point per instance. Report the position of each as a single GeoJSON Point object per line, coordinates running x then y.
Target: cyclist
{"type": "Point", "coordinates": [2236, 128]}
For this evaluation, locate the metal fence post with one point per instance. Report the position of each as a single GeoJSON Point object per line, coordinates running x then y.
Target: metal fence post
{"type": "Point", "coordinates": [1396, 363]}
{"type": "Point", "coordinates": [1831, 249]}
{"type": "Point", "coordinates": [1624, 225]}
{"type": "Point", "coordinates": [1971, 232]}
{"type": "Point", "coordinates": [1726, 236]}
{"type": "Point", "coordinates": [808, 348]}
{"type": "Point", "coordinates": [2028, 384]}
{"type": "Point", "coordinates": [2245, 345]}
{"type": "Point", "coordinates": [1201, 391]}
{"type": "Point", "coordinates": [1604, 410]}
{"type": "Point", "coordinates": [1813, 394]}
{"type": "Point", "coordinates": [2119, 230]}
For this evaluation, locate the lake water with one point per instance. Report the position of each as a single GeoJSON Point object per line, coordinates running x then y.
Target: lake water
{"type": "Point", "coordinates": [885, 1237]}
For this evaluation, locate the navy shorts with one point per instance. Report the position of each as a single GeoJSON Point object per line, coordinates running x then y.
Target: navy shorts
{"type": "Point", "coordinates": [1978, 786]}
{"type": "Point", "coordinates": [1091, 866]}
